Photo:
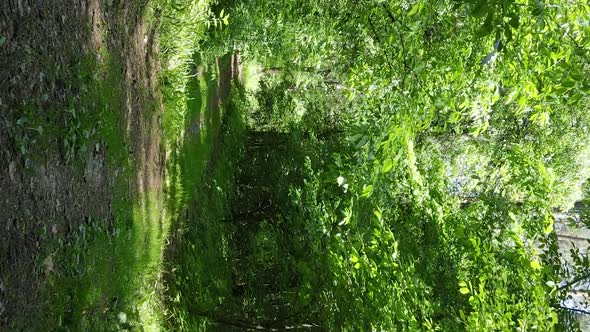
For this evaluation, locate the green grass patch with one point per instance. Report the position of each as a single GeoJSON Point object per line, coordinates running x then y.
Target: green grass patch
{"type": "Point", "coordinates": [200, 277]}
{"type": "Point", "coordinates": [190, 148]}
{"type": "Point", "coordinates": [107, 275]}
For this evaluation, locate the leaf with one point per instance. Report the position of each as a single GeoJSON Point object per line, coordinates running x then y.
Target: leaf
{"type": "Point", "coordinates": [568, 83]}
{"type": "Point", "coordinates": [419, 68]}
{"type": "Point", "coordinates": [462, 283]}
{"type": "Point", "coordinates": [343, 222]}
{"type": "Point", "coordinates": [455, 116]}
{"type": "Point", "coordinates": [535, 265]}
{"type": "Point", "coordinates": [355, 137]}
{"type": "Point", "coordinates": [480, 9]}
{"type": "Point", "coordinates": [377, 214]}
{"type": "Point", "coordinates": [357, 266]}
{"type": "Point", "coordinates": [221, 12]}
{"type": "Point", "coordinates": [540, 118]}
{"type": "Point", "coordinates": [577, 76]}
{"type": "Point", "coordinates": [367, 191]}
{"type": "Point", "coordinates": [538, 11]}
{"type": "Point", "coordinates": [122, 317]}
{"type": "Point", "coordinates": [362, 142]}
{"type": "Point", "coordinates": [2, 40]}
{"type": "Point", "coordinates": [549, 228]}
{"type": "Point", "coordinates": [416, 9]}
{"type": "Point", "coordinates": [354, 259]}
{"type": "Point", "coordinates": [387, 166]}
{"type": "Point", "coordinates": [464, 290]}
{"type": "Point", "coordinates": [21, 121]}
{"type": "Point", "coordinates": [512, 216]}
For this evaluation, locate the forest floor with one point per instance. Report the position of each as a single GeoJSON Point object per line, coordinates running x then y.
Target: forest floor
{"type": "Point", "coordinates": [83, 163]}
{"type": "Point", "coordinates": [64, 101]}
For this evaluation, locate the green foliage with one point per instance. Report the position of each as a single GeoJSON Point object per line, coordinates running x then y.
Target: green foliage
{"type": "Point", "coordinates": [199, 277]}
{"type": "Point", "coordinates": [393, 166]}
{"type": "Point", "coordinates": [82, 125]}
{"type": "Point", "coordinates": [493, 89]}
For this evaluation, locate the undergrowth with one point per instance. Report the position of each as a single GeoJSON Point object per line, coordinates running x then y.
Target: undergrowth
{"type": "Point", "coordinates": [104, 275]}
{"type": "Point", "coordinates": [199, 277]}
{"type": "Point", "coordinates": [84, 124]}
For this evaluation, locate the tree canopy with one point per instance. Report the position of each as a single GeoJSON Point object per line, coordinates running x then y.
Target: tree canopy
{"type": "Point", "coordinates": [458, 129]}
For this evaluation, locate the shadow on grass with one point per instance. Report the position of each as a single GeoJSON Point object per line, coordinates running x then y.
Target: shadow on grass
{"type": "Point", "coordinates": [202, 175]}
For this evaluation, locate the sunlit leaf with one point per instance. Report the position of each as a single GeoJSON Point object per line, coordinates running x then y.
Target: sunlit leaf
{"type": "Point", "coordinates": [387, 165]}
{"type": "Point", "coordinates": [367, 191]}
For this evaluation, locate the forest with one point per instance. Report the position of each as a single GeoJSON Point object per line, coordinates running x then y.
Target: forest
{"type": "Point", "coordinates": [307, 165]}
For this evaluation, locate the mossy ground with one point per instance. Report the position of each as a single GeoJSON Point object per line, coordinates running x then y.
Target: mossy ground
{"type": "Point", "coordinates": [108, 275]}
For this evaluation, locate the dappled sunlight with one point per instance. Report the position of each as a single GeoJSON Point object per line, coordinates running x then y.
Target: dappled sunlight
{"type": "Point", "coordinates": [335, 165]}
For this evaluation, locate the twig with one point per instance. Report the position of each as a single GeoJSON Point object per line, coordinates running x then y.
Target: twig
{"type": "Point", "coordinates": [575, 281]}
{"type": "Point", "coordinates": [379, 41]}
{"type": "Point", "coordinates": [581, 311]}
{"type": "Point", "coordinates": [403, 43]}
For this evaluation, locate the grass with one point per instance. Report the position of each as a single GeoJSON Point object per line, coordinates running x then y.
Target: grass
{"type": "Point", "coordinates": [200, 276]}
{"type": "Point", "coordinates": [108, 276]}
{"type": "Point", "coordinates": [106, 270]}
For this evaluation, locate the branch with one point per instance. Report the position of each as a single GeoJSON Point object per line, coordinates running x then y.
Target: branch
{"type": "Point", "coordinates": [379, 41]}
{"type": "Point", "coordinates": [581, 311]}
{"type": "Point", "coordinates": [569, 237]}
{"type": "Point", "coordinates": [393, 19]}
{"type": "Point", "coordinates": [575, 281]}
{"type": "Point", "coordinates": [401, 36]}
{"type": "Point", "coordinates": [570, 37]}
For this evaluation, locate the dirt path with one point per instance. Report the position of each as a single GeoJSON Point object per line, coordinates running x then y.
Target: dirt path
{"type": "Point", "coordinates": [51, 55]}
